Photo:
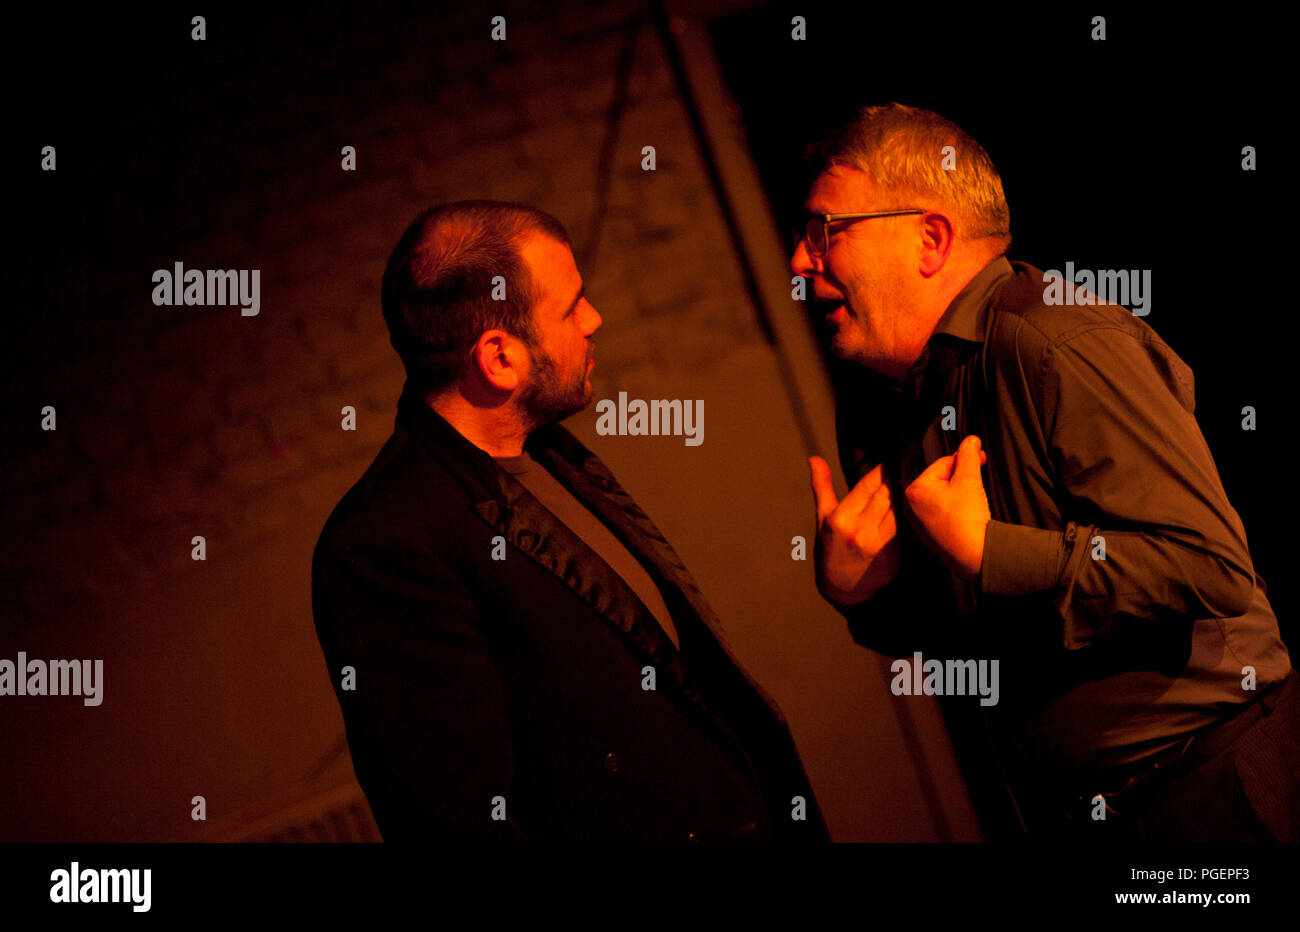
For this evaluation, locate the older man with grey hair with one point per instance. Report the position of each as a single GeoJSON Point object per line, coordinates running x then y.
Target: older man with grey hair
{"type": "Point", "coordinates": [1032, 492]}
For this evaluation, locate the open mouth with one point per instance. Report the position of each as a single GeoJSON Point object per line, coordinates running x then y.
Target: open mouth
{"type": "Point", "coordinates": [829, 308]}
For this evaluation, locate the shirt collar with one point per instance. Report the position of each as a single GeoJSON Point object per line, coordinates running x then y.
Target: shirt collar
{"type": "Point", "coordinates": [964, 318]}
{"type": "Point", "coordinates": [472, 467]}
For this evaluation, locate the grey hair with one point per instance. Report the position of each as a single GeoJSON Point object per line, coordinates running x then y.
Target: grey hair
{"type": "Point", "coordinates": [901, 149]}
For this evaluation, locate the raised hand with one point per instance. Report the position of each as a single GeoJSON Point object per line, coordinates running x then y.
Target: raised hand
{"type": "Point", "coordinates": [857, 550]}
{"type": "Point", "coordinates": [951, 509]}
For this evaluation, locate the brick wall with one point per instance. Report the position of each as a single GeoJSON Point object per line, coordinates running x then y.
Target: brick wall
{"type": "Point", "coordinates": [175, 422]}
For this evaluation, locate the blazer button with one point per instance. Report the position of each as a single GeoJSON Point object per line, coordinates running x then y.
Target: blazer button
{"type": "Point", "coordinates": [612, 763]}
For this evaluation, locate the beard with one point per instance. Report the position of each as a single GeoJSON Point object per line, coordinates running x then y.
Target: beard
{"type": "Point", "coordinates": [848, 339]}
{"type": "Point", "coordinates": [548, 397]}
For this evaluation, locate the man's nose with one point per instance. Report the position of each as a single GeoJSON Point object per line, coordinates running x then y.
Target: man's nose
{"type": "Point", "coordinates": [801, 263]}
{"type": "Point", "coordinates": [595, 322]}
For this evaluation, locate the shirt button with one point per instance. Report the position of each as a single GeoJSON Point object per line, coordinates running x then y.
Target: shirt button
{"type": "Point", "coordinates": [612, 763]}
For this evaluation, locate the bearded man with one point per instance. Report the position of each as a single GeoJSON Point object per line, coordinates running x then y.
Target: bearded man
{"type": "Point", "coordinates": [518, 652]}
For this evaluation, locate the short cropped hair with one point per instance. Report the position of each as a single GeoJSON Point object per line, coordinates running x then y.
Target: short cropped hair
{"type": "Point", "coordinates": [437, 291]}
{"type": "Point", "coordinates": [901, 149]}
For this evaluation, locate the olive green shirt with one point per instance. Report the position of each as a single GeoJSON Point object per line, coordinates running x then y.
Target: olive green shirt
{"type": "Point", "coordinates": [1116, 589]}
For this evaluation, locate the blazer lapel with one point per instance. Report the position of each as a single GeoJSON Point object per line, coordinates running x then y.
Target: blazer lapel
{"type": "Point", "coordinates": [593, 484]}
{"type": "Point", "coordinates": [528, 525]}
{"type": "Point", "coordinates": [534, 530]}
{"type": "Point", "coordinates": [588, 479]}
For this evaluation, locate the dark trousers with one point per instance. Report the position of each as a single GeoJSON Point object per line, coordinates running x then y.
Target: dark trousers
{"type": "Point", "coordinates": [1247, 791]}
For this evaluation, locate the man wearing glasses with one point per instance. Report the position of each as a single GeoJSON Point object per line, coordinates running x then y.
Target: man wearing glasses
{"type": "Point", "coordinates": [1031, 487]}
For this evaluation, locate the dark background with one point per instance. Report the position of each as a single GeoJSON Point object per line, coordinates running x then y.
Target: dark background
{"type": "Point", "coordinates": [182, 421]}
{"type": "Point", "coordinates": [1122, 154]}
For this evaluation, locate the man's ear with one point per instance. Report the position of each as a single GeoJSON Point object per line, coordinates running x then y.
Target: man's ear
{"type": "Point", "coordinates": [936, 242]}
{"type": "Point", "coordinates": [498, 357]}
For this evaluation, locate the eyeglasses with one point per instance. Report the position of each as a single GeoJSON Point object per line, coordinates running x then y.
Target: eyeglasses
{"type": "Point", "coordinates": [817, 234]}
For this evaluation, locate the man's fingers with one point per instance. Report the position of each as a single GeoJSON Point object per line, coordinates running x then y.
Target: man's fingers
{"type": "Point", "coordinates": [939, 469]}
{"type": "Point", "coordinates": [877, 507]}
{"type": "Point", "coordinates": [823, 490]}
{"type": "Point", "coordinates": [962, 464]}
{"type": "Point", "coordinates": [861, 494]}
{"type": "Point", "coordinates": [888, 525]}
{"type": "Point", "coordinates": [969, 459]}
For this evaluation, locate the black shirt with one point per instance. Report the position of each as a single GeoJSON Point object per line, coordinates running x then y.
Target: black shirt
{"type": "Point", "coordinates": [1087, 419]}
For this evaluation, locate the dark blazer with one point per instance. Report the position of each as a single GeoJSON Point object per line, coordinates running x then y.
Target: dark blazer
{"type": "Point", "coordinates": [517, 685]}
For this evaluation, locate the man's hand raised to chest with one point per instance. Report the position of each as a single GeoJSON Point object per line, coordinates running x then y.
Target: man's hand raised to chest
{"type": "Point", "coordinates": [949, 508]}
{"type": "Point", "coordinates": [857, 550]}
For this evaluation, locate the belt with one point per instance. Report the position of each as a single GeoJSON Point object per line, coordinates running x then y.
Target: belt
{"type": "Point", "coordinates": [1138, 789]}
{"type": "Point", "coordinates": [1193, 752]}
